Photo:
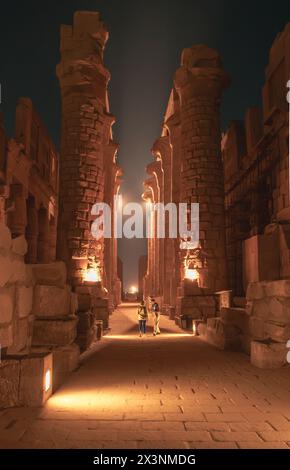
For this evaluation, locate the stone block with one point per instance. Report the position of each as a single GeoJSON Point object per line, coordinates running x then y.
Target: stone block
{"type": "Point", "coordinates": [7, 302]}
{"type": "Point", "coordinates": [54, 332]}
{"type": "Point", "coordinates": [73, 303]}
{"type": "Point", "coordinates": [5, 237]}
{"type": "Point", "coordinates": [278, 288]}
{"type": "Point", "coordinates": [24, 300]}
{"type": "Point", "coordinates": [237, 317]}
{"type": "Point", "coordinates": [18, 268]}
{"type": "Point", "coordinates": [9, 383]}
{"type": "Point", "coordinates": [279, 309]}
{"type": "Point", "coordinates": [19, 246]}
{"type": "Point", "coordinates": [51, 301]}
{"type": "Point", "coordinates": [6, 336]}
{"type": "Point", "coordinates": [35, 380]}
{"type": "Point", "coordinates": [102, 313]}
{"type": "Point", "coordinates": [85, 340]}
{"type": "Point", "coordinates": [52, 274]}
{"type": "Point", "coordinates": [22, 329]}
{"type": "Point", "coordinates": [245, 341]}
{"type": "Point", "coordinates": [221, 335]}
{"type": "Point", "coordinates": [256, 290]}
{"type": "Point", "coordinates": [65, 361]}
{"type": "Point", "coordinates": [277, 332]}
{"type": "Point", "coordinates": [6, 269]}
{"type": "Point", "coordinates": [240, 302]}
{"type": "Point", "coordinates": [257, 329]}
{"type": "Point", "coordinates": [261, 308]}
{"type": "Point", "coordinates": [85, 321]}
{"type": "Point", "coordinates": [268, 355]}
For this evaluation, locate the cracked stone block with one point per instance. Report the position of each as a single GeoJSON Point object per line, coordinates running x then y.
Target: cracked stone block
{"type": "Point", "coordinates": [24, 299]}
{"type": "Point", "coordinates": [65, 361]}
{"type": "Point", "coordinates": [54, 332]}
{"type": "Point", "coordinates": [279, 309]}
{"type": "Point", "coordinates": [51, 301]}
{"type": "Point", "coordinates": [268, 355]}
{"type": "Point", "coordinates": [52, 274]}
{"type": "Point", "coordinates": [257, 328]}
{"type": "Point", "coordinates": [9, 383]}
{"type": "Point", "coordinates": [35, 380]}
{"type": "Point", "coordinates": [278, 332]}
{"type": "Point", "coordinates": [7, 299]}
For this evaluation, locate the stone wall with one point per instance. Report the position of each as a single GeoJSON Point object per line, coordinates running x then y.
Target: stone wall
{"type": "Point", "coordinates": [268, 307]}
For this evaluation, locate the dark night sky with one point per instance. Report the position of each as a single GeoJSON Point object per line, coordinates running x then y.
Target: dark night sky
{"type": "Point", "coordinates": [146, 39]}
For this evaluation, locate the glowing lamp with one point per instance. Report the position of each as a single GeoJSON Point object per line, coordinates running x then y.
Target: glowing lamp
{"type": "Point", "coordinates": [92, 275]}
{"type": "Point", "coordinates": [194, 329]}
{"type": "Point", "coordinates": [134, 290]}
{"type": "Point", "coordinates": [47, 380]}
{"type": "Point", "coordinates": [191, 274]}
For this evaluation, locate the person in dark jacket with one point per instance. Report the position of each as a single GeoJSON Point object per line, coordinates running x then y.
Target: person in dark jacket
{"type": "Point", "coordinates": [142, 318]}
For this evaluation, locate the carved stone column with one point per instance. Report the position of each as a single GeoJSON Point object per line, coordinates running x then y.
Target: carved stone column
{"type": "Point", "coordinates": [83, 79]}
{"type": "Point", "coordinates": [199, 82]}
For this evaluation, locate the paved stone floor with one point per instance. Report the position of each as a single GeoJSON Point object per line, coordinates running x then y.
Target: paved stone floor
{"type": "Point", "coordinates": [171, 391]}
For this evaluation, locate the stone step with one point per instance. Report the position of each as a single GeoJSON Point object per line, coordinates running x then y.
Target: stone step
{"type": "Point", "coordinates": [54, 332]}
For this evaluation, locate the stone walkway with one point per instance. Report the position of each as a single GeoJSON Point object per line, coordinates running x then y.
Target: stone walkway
{"type": "Point", "coordinates": [171, 391]}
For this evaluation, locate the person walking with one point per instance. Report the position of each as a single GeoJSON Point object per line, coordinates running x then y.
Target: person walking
{"type": "Point", "coordinates": [156, 317]}
{"type": "Point", "coordinates": [142, 318]}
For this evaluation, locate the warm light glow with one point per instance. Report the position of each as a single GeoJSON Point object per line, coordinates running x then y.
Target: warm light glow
{"type": "Point", "coordinates": [194, 329]}
{"type": "Point", "coordinates": [191, 274]}
{"type": "Point", "coordinates": [47, 380]}
{"type": "Point", "coordinates": [133, 290]}
{"type": "Point", "coordinates": [92, 275]}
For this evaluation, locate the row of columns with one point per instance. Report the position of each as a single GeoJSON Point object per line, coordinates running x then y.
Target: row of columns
{"type": "Point", "coordinates": [187, 168]}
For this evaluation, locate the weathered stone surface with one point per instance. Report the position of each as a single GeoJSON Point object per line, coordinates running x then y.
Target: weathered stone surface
{"type": "Point", "coordinates": [65, 361]}
{"type": "Point", "coordinates": [32, 380]}
{"type": "Point", "coordinates": [261, 308]}
{"type": "Point", "coordinates": [221, 335]}
{"type": "Point", "coordinates": [256, 290]}
{"type": "Point", "coordinates": [5, 237]}
{"type": "Point", "coordinates": [22, 333]}
{"type": "Point", "coordinates": [6, 269]}
{"type": "Point", "coordinates": [278, 332]}
{"type": "Point", "coordinates": [257, 328]}
{"type": "Point", "coordinates": [102, 313]}
{"type": "Point", "coordinates": [279, 288]}
{"type": "Point", "coordinates": [6, 336]}
{"type": "Point", "coordinates": [53, 274]}
{"type": "Point", "coordinates": [7, 295]}
{"type": "Point", "coordinates": [9, 383]}
{"type": "Point", "coordinates": [19, 245]}
{"type": "Point", "coordinates": [51, 301]}
{"type": "Point", "coordinates": [60, 332]}
{"type": "Point", "coordinates": [236, 317]}
{"type": "Point", "coordinates": [279, 309]}
{"type": "Point", "coordinates": [268, 355]}
{"type": "Point", "coordinates": [24, 299]}
{"type": "Point", "coordinates": [73, 303]}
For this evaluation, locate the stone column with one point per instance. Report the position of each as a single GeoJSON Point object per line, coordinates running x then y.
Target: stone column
{"type": "Point", "coordinates": [43, 236]}
{"type": "Point", "coordinates": [199, 82]}
{"type": "Point", "coordinates": [31, 232]}
{"type": "Point", "coordinates": [83, 79]}
{"type": "Point", "coordinates": [17, 219]}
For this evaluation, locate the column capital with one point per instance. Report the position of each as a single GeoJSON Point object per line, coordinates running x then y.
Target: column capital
{"type": "Point", "coordinates": [200, 74]}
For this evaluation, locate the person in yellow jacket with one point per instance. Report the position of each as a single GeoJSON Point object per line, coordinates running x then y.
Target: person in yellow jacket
{"type": "Point", "coordinates": [142, 318]}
